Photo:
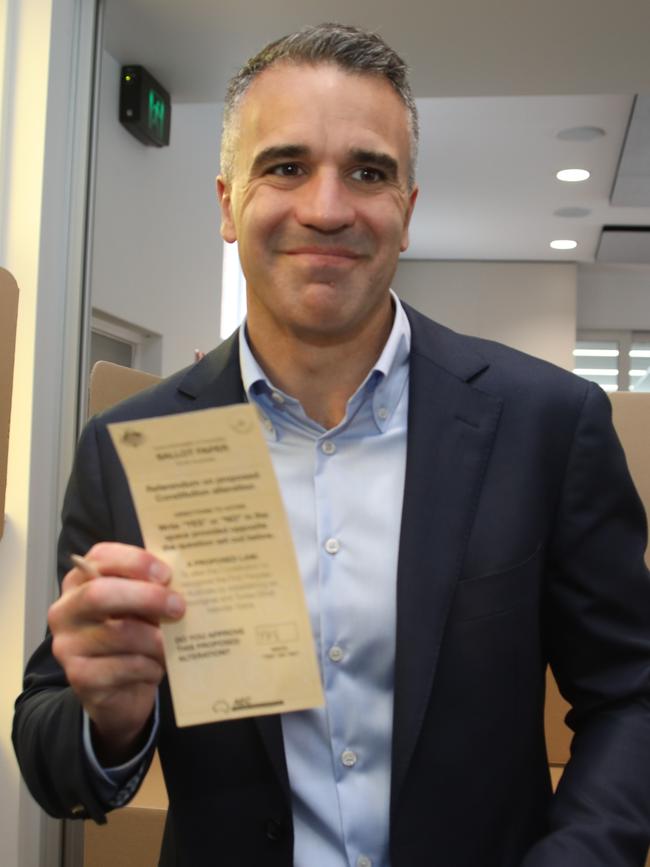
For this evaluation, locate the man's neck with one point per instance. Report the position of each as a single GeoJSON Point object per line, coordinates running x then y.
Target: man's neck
{"type": "Point", "coordinates": [321, 375]}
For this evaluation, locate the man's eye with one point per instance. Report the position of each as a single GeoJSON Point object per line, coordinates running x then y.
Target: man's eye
{"type": "Point", "coordinates": [368, 175]}
{"type": "Point", "coordinates": [286, 170]}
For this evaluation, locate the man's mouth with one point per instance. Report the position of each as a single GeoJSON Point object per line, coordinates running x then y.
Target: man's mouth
{"type": "Point", "coordinates": [324, 253]}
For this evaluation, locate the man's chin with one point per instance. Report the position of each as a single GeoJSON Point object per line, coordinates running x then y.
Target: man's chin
{"type": "Point", "coordinates": [330, 323]}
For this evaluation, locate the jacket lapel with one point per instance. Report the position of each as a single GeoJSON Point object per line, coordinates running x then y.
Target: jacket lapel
{"type": "Point", "coordinates": [216, 379]}
{"type": "Point", "coordinates": [450, 433]}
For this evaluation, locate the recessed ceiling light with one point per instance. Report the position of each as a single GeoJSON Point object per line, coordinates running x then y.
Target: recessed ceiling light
{"type": "Point", "coordinates": [572, 176]}
{"type": "Point", "coordinates": [572, 212]}
{"type": "Point", "coordinates": [581, 133]}
{"type": "Point", "coordinates": [564, 245]}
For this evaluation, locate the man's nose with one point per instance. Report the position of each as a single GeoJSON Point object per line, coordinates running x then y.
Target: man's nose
{"type": "Point", "coordinates": [325, 203]}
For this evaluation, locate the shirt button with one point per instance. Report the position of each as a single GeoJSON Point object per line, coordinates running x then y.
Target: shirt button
{"type": "Point", "coordinates": [276, 397]}
{"type": "Point", "coordinates": [335, 653]}
{"type": "Point", "coordinates": [364, 861]}
{"type": "Point", "coordinates": [332, 546]}
{"type": "Point", "coordinates": [382, 413]}
{"type": "Point", "coordinates": [328, 447]}
{"type": "Point", "coordinates": [268, 424]}
{"type": "Point", "coordinates": [349, 758]}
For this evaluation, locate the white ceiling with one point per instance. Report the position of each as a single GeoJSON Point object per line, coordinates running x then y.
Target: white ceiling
{"type": "Point", "coordinates": [496, 80]}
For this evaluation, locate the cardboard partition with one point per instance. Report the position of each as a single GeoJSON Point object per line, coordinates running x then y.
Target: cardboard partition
{"type": "Point", "coordinates": [110, 383]}
{"type": "Point", "coordinates": [133, 835]}
{"type": "Point", "coordinates": [631, 414]}
{"type": "Point", "coordinates": [131, 838]}
{"type": "Point", "coordinates": [8, 321]}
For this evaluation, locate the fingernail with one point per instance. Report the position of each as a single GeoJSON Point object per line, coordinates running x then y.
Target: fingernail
{"type": "Point", "coordinates": [175, 605]}
{"type": "Point", "coordinates": [160, 572]}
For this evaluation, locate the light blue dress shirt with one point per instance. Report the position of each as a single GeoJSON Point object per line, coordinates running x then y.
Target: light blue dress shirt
{"type": "Point", "coordinates": [343, 492]}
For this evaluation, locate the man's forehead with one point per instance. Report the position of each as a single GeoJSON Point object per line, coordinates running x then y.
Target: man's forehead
{"type": "Point", "coordinates": [283, 95]}
{"type": "Point", "coordinates": [297, 78]}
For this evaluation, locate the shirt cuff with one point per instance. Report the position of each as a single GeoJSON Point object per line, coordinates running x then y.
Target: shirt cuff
{"type": "Point", "coordinates": [116, 786]}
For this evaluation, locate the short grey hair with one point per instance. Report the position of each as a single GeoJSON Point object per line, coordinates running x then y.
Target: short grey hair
{"type": "Point", "coordinates": [351, 48]}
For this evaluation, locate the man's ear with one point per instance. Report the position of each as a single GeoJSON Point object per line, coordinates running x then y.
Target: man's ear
{"type": "Point", "coordinates": [228, 231]}
{"type": "Point", "coordinates": [407, 218]}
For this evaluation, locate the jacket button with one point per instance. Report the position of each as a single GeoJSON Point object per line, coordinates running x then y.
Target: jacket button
{"type": "Point", "coordinates": [274, 830]}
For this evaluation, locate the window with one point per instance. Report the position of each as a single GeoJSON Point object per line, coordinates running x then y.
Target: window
{"type": "Point", "coordinates": [597, 360]}
{"type": "Point", "coordinates": [105, 348]}
{"type": "Point", "coordinates": [121, 342]}
{"type": "Point", "coordinates": [616, 360]}
{"type": "Point", "coordinates": [640, 364]}
{"type": "Point", "coordinates": [233, 291]}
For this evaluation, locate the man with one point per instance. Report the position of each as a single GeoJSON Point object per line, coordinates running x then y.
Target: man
{"type": "Point", "coordinates": [462, 515]}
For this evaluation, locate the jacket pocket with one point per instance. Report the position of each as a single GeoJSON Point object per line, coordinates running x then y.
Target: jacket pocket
{"type": "Point", "coordinates": [498, 592]}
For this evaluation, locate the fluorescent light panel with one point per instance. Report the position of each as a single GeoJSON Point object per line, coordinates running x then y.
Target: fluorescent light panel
{"type": "Point", "coordinates": [233, 291]}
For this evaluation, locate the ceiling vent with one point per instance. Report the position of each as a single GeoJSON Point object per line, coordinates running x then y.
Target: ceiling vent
{"type": "Point", "coordinates": [625, 244]}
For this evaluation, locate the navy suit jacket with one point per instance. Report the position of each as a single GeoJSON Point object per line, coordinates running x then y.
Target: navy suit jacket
{"type": "Point", "coordinates": [522, 544]}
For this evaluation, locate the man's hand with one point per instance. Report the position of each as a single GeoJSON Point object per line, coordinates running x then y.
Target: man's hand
{"type": "Point", "coordinates": [106, 637]}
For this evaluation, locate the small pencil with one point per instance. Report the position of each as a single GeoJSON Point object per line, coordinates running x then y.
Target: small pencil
{"type": "Point", "coordinates": [85, 565]}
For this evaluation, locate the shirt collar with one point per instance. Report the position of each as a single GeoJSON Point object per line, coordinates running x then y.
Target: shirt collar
{"type": "Point", "coordinates": [385, 381]}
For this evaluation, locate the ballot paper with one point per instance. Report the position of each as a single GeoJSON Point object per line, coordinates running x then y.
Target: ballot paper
{"type": "Point", "coordinates": [209, 504]}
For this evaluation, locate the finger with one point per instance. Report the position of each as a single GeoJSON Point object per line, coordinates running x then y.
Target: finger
{"type": "Point", "coordinates": [104, 598]}
{"type": "Point", "coordinates": [111, 638]}
{"type": "Point", "coordinates": [123, 561]}
{"type": "Point", "coordinates": [96, 675]}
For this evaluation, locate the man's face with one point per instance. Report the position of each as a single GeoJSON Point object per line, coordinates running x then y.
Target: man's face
{"type": "Point", "coordinates": [319, 200]}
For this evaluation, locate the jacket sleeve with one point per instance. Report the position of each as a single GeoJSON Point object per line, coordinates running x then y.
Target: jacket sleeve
{"type": "Point", "coordinates": [48, 719]}
{"type": "Point", "coordinates": [597, 627]}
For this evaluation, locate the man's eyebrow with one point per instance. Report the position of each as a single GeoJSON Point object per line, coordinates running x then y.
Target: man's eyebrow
{"type": "Point", "coordinates": [378, 159]}
{"type": "Point", "coordinates": [278, 152]}
{"type": "Point", "coordinates": [274, 153]}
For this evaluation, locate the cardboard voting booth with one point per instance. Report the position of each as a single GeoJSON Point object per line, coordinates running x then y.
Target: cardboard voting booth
{"type": "Point", "coordinates": [8, 320]}
{"type": "Point", "coordinates": [631, 411]}
{"type": "Point", "coordinates": [111, 383]}
{"type": "Point", "coordinates": [133, 835]}
{"type": "Point", "coordinates": [631, 414]}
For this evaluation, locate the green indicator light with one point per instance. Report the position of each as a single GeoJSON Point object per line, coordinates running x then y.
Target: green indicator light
{"type": "Point", "coordinates": [127, 78]}
{"type": "Point", "coordinates": [156, 114]}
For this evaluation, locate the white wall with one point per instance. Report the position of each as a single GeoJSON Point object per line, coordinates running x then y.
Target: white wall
{"type": "Point", "coordinates": [156, 246]}
{"type": "Point", "coordinates": [614, 297]}
{"type": "Point", "coordinates": [44, 120]}
{"type": "Point", "coordinates": [528, 305]}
